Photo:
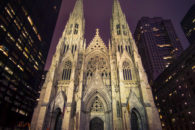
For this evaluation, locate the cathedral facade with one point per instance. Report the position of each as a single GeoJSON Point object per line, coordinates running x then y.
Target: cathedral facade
{"type": "Point", "coordinates": [96, 87]}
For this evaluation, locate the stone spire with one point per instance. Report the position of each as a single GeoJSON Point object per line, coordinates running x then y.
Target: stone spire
{"type": "Point", "coordinates": [78, 9]}
{"type": "Point", "coordinates": [116, 9]}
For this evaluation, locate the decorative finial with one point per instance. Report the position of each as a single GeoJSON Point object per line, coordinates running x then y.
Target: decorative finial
{"type": "Point", "coordinates": [97, 31]}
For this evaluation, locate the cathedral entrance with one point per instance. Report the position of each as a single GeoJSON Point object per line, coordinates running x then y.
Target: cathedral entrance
{"type": "Point", "coordinates": [96, 124]}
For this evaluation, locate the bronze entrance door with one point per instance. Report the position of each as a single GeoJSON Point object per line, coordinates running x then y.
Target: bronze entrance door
{"type": "Point", "coordinates": [96, 124]}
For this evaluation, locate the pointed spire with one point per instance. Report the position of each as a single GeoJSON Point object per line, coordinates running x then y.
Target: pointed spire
{"type": "Point", "coordinates": [116, 9]}
{"type": "Point", "coordinates": [78, 8]}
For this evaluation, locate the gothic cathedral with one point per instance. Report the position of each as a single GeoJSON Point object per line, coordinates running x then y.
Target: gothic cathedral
{"type": "Point", "coordinates": [96, 87]}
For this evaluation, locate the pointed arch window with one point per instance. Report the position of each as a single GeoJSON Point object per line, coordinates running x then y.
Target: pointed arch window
{"type": "Point", "coordinates": [118, 30]}
{"type": "Point", "coordinates": [67, 71]}
{"type": "Point", "coordinates": [64, 49]}
{"type": "Point", "coordinates": [121, 49]}
{"type": "Point", "coordinates": [72, 48]}
{"type": "Point", "coordinates": [97, 105]}
{"type": "Point", "coordinates": [124, 30]}
{"type": "Point", "coordinates": [118, 48]}
{"type": "Point", "coordinates": [118, 109]}
{"type": "Point", "coordinates": [127, 71]}
{"type": "Point", "coordinates": [76, 26]}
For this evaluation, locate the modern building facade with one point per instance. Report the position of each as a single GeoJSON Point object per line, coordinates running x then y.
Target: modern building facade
{"type": "Point", "coordinates": [188, 25]}
{"type": "Point", "coordinates": [23, 50]}
{"type": "Point", "coordinates": [157, 43]}
{"type": "Point", "coordinates": [174, 92]}
{"type": "Point", "coordinates": [96, 87]}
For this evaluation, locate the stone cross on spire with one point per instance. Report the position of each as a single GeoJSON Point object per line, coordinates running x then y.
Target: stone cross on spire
{"type": "Point", "coordinates": [97, 31]}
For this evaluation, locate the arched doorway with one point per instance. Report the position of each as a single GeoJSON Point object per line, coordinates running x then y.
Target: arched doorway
{"type": "Point", "coordinates": [96, 124]}
{"type": "Point", "coordinates": [58, 120]}
{"type": "Point", "coordinates": [135, 120]}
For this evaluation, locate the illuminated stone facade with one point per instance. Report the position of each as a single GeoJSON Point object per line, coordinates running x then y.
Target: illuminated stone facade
{"type": "Point", "coordinates": [95, 87]}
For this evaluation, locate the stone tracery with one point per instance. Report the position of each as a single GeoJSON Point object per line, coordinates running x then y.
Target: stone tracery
{"type": "Point", "coordinates": [97, 105]}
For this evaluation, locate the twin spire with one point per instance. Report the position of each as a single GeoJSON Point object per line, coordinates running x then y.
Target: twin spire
{"type": "Point", "coordinates": [78, 8]}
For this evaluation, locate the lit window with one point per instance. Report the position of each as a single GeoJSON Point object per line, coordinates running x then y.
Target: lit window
{"type": "Point", "coordinates": [35, 29]}
{"type": "Point", "coordinates": [17, 24]}
{"type": "Point", "coordinates": [163, 45]}
{"type": "Point", "coordinates": [8, 70]}
{"type": "Point", "coordinates": [10, 36]}
{"type": "Point", "coordinates": [4, 50]}
{"type": "Point", "coordinates": [36, 67]}
{"type": "Point", "coordinates": [167, 57]}
{"type": "Point", "coordinates": [23, 34]}
{"type": "Point", "coordinates": [39, 37]}
{"type": "Point", "coordinates": [158, 110]}
{"type": "Point", "coordinates": [19, 40]}
{"type": "Point", "coordinates": [25, 31]}
{"type": "Point", "coordinates": [26, 49]}
{"type": "Point", "coordinates": [25, 54]}
{"type": "Point", "coordinates": [155, 29]}
{"type": "Point", "coordinates": [170, 94]}
{"type": "Point", "coordinates": [163, 124]}
{"type": "Point", "coordinates": [12, 60]}
{"type": "Point", "coordinates": [11, 8]}
{"type": "Point", "coordinates": [20, 67]}
{"type": "Point", "coordinates": [4, 29]}
{"type": "Point", "coordinates": [36, 63]}
{"type": "Point", "coordinates": [156, 97]}
{"type": "Point", "coordinates": [193, 21]}
{"type": "Point", "coordinates": [161, 117]}
{"type": "Point", "coordinates": [40, 53]}
{"type": "Point", "coordinates": [173, 120]}
{"type": "Point", "coordinates": [30, 20]}
{"type": "Point", "coordinates": [21, 112]}
{"type": "Point", "coordinates": [193, 68]}
{"type": "Point", "coordinates": [8, 11]}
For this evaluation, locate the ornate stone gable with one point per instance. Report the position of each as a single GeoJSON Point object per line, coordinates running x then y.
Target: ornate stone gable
{"type": "Point", "coordinates": [96, 44]}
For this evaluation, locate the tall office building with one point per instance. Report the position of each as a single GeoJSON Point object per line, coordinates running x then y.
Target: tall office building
{"type": "Point", "coordinates": [24, 44]}
{"type": "Point", "coordinates": [174, 92]}
{"type": "Point", "coordinates": [157, 43]}
{"type": "Point", "coordinates": [188, 25]}
{"type": "Point", "coordinates": [95, 87]}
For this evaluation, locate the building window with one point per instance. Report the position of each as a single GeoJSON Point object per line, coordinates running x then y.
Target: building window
{"type": "Point", "coordinates": [67, 71]}
{"type": "Point", "coordinates": [76, 28]}
{"type": "Point", "coordinates": [118, 29]}
{"type": "Point", "coordinates": [121, 49]}
{"type": "Point", "coordinates": [118, 109]}
{"type": "Point", "coordinates": [118, 48]}
{"type": "Point", "coordinates": [127, 71]}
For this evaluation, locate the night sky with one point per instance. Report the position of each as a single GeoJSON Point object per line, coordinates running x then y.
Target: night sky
{"type": "Point", "coordinates": [97, 14]}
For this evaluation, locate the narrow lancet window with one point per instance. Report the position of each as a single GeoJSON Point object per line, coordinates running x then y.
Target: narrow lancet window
{"type": "Point", "coordinates": [67, 71]}
{"type": "Point", "coordinates": [127, 71]}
